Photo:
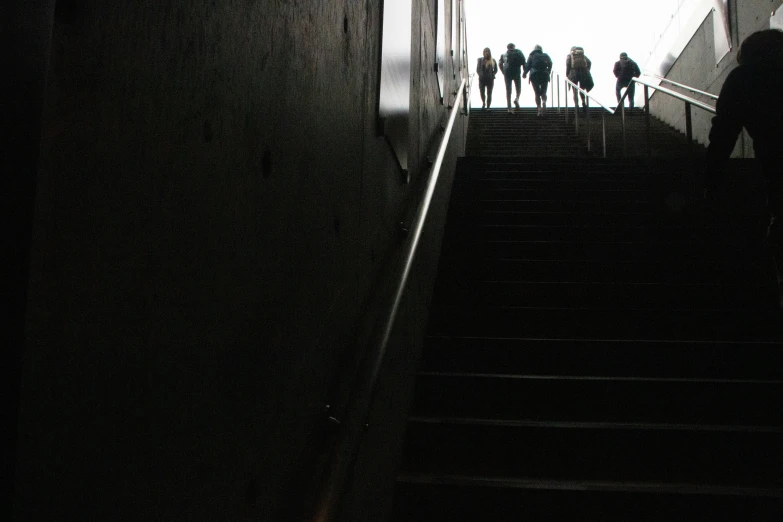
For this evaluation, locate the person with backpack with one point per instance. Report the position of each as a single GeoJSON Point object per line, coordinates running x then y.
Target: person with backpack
{"type": "Point", "coordinates": [539, 65]}
{"type": "Point", "coordinates": [625, 70]}
{"type": "Point", "coordinates": [486, 69]}
{"type": "Point", "coordinates": [511, 64]}
{"type": "Point", "coordinates": [578, 71]}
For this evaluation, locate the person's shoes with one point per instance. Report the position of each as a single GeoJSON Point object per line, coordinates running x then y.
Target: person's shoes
{"type": "Point", "coordinates": [509, 110]}
{"type": "Point", "coordinates": [538, 112]}
{"type": "Point", "coordinates": [516, 104]}
{"type": "Point", "coordinates": [483, 106]}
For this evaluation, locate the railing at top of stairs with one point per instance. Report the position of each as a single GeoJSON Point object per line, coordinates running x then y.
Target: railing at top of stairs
{"type": "Point", "coordinates": [578, 89]}
{"type": "Point", "coordinates": [689, 102]}
{"type": "Point", "coordinates": [648, 84]}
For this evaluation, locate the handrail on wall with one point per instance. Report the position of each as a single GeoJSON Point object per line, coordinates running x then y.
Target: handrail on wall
{"type": "Point", "coordinates": [588, 97]}
{"type": "Point", "coordinates": [345, 450]}
{"type": "Point", "coordinates": [681, 85]}
{"type": "Point", "coordinates": [689, 102]}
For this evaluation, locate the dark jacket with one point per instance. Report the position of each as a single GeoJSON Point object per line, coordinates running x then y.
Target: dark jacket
{"type": "Point", "coordinates": [486, 73]}
{"type": "Point", "coordinates": [515, 69]}
{"type": "Point", "coordinates": [539, 64]}
{"type": "Point", "coordinates": [625, 69]}
{"type": "Point", "coordinates": [580, 75]}
{"type": "Point", "coordinates": [747, 99]}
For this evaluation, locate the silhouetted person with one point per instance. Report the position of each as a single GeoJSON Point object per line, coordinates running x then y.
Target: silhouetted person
{"type": "Point", "coordinates": [750, 98]}
{"type": "Point", "coordinates": [625, 70]}
{"type": "Point", "coordinates": [511, 64]}
{"type": "Point", "coordinates": [578, 71]}
{"type": "Point", "coordinates": [486, 69]}
{"type": "Point", "coordinates": [539, 65]}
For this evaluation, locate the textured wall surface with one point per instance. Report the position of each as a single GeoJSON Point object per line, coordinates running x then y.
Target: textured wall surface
{"type": "Point", "coordinates": [696, 67]}
{"type": "Point", "coordinates": [214, 213]}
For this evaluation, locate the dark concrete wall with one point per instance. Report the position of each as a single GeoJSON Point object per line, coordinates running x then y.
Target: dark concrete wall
{"type": "Point", "coordinates": [215, 214]}
{"type": "Point", "coordinates": [25, 33]}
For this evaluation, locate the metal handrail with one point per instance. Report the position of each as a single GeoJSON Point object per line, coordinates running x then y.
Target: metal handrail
{"type": "Point", "coordinates": [689, 102]}
{"type": "Point", "coordinates": [577, 88]}
{"type": "Point", "coordinates": [346, 447]}
{"type": "Point", "coordinates": [682, 85]}
{"type": "Point", "coordinates": [679, 96]}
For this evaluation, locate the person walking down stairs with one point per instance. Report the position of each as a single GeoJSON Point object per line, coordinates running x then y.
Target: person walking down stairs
{"type": "Point", "coordinates": [486, 69]}
{"type": "Point", "coordinates": [578, 71]}
{"type": "Point", "coordinates": [539, 65]}
{"type": "Point", "coordinates": [511, 64]}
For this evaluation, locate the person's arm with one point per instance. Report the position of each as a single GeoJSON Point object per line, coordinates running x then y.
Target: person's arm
{"type": "Point", "coordinates": [478, 66]}
{"type": "Point", "coordinates": [636, 71]}
{"type": "Point", "coordinates": [726, 127]}
{"type": "Point", "coordinates": [616, 69]}
{"type": "Point", "coordinates": [589, 63]}
{"type": "Point", "coordinates": [568, 65]}
{"type": "Point", "coordinates": [494, 67]}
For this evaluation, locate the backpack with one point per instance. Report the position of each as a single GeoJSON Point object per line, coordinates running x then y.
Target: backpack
{"type": "Point", "coordinates": [541, 62]}
{"type": "Point", "coordinates": [514, 58]}
{"type": "Point", "coordinates": [578, 60]}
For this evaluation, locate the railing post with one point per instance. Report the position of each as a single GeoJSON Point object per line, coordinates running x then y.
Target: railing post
{"type": "Point", "coordinates": [576, 107]}
{"type": "Point", "coordinates": [622, 117]}
{"type": "Point", "coordinates": [603, 129]}
{"type": "Point", "coordinates": [558, 94]}
{"type": "Point", "coordinates": [587, 117]}
{"type": "Point", "coordinates": [565, 85]}
{"type": "Point", "coordinates": [647, 119]}
{"type": "Point", "coordinates": [689, 127]}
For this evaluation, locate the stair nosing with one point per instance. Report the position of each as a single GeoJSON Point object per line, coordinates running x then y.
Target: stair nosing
{"type": "Point", "coordinates": [588, 485]}
{"type": "Point", "coordinates": [593, 378]}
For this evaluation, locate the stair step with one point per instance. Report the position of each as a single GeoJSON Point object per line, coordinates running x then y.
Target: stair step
{"type": "Point", "coordinates": [610, 452]}
{"type": "Point", "coordinates": [693, 403]}
{"type": "Point", "coordinates": [677, 323]}
{"type": "Point", "coordinates": [470, 293]}
{"type": "Point", "coordinates": [604, 358]}
{"type": "Point", "coordinates": [609, 270]}
{"type": "Point", "coordinates": [436, 498]}
{"type": "Point", "coordinates": [467, 230]}
{"type": "Point", "coordinates": [471, 250]}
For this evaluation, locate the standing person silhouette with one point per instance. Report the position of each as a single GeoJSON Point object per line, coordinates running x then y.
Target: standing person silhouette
{"type": "Point", "coordinates": [539, 65]}
{"type": "Point", "coordinates": [511, 64]}
{"type": "Point", "coordinates": [578, 71]}
{"type": "Point", "coordinates": [748, 99]}
{"type": "Point", "coordinates": [486, 69]}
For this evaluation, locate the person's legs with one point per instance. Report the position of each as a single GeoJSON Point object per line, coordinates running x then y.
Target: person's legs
{"type": "Point", "coordinates": [544, 87]}
{"type": "Point", "coordinates": [518, 85]}
{"type": "Point", "coordinates": [490, 86]}
{"type": "Point", "coordinates": [537, 96]}
{"type": "Point", "coordinates": [631, 91]}
{"type": "Point", "coordinates": [507, 80]}
{"type": "Point", "coordinates": [618, 90]}
{"type": "Point", "coordinates": [482, 88]}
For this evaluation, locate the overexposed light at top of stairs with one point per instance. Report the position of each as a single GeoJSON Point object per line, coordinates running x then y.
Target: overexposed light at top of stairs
{"type": "Point", "coordinates": [605, 28]}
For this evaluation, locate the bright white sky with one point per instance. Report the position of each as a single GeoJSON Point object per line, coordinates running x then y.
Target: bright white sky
{"type": "Point", "coordinates": [605, 28]}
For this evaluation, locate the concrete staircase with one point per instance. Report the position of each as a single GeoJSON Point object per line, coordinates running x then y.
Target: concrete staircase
{"type": "Point", "coordinates": [601, 346]}
{"type": "Point", "coordinates": [495, 132]}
